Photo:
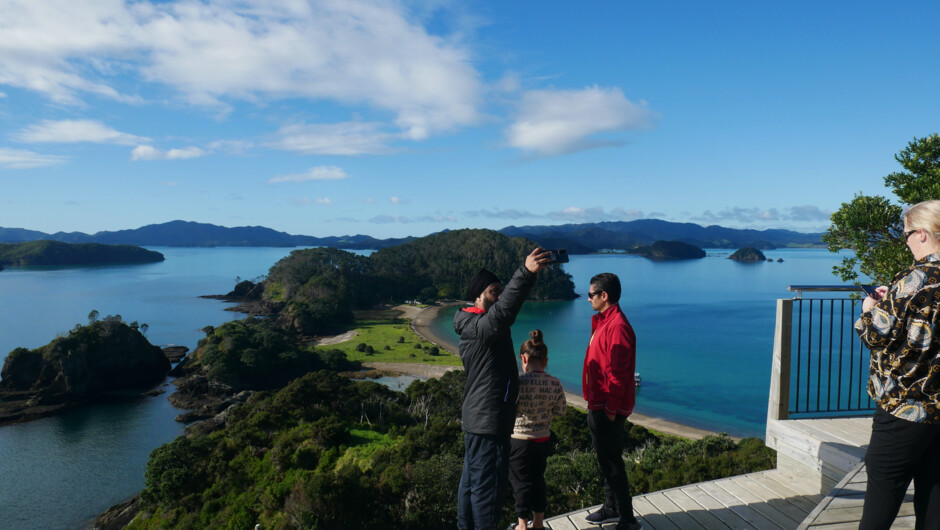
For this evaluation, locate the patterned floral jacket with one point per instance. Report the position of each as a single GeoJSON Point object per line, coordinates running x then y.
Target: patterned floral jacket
{"type": "Point", "coordinates": [905, 352]}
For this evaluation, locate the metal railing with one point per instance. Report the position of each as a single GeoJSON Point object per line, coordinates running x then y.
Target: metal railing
{"type": "Point", "coordinates": [820, 365]}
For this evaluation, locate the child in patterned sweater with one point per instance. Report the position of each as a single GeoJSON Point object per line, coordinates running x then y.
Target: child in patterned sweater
{"type": "Point", "coordinates": [541, 398]}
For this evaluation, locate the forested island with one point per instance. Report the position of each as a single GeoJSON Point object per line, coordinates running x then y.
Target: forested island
{"type": "Point", "coordinates": [669, 250]}
{"type": "Point", "coordinates": [81, 367]}
{"type": "Point", "coordinates": [748, 254]}
{"type": "Point", "coordinates": [314, 291]}
{"type": "Point", "coordinates": [56, 253]}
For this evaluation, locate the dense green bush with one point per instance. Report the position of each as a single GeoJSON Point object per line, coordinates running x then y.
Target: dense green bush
{"type": "Point", "coordinates": [327, 452]}
{"type": "Point", "coordinates": [254, 353]}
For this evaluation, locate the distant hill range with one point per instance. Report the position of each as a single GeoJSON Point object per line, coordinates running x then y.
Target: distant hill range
{"type": "Point", "coordinates": [190, 234]}
{"type": "Point", "coordinates": [622, 235]}
{"type": "Point", "coordinates": [577, 238]}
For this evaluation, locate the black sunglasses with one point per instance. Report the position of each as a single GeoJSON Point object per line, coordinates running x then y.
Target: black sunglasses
{"type": "Point", "coordinates": [592, 294]}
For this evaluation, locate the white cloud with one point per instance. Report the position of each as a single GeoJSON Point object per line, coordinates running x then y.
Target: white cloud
{"type": "Point", "coordinates": [318, 200]}
{"type": "Point", "coordinates": [147, 152]}
{"type": "Point", "coordinates": [22, 159]}
{"type": "Point", "coordinates": [401, 219]}
{"type": "Point", "coordinates": [394, 200]}
{"type": "Point", "coordinates": [554, 122]}
{"type": "Point", "coordinates": [349, 138]}
{"type": "Point", "coordinates": [596, 214]}
{"type": "Point", "coordinates": [73, 131]}
{"type": "Point", "coordinates": [502, 214]}
{"type": "Point", "coordinates": [210, 52]}
{"type": "Point", "coordinates": [314, 173]}
{"type": "Point", "coordinates": [231, 146]}
{"type": "Point", "coordinates": [749, 215]}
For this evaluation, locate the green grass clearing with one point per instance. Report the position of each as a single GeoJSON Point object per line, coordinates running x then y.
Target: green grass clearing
{"type": "Point", "coordinates": [382, 332]}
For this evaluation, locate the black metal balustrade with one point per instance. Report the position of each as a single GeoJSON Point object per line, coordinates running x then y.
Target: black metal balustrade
{"type": "Point", "coordinates": [820, 364]}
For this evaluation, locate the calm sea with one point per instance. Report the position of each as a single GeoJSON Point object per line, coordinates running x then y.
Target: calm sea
{"type": "Point", "coordinates": [704, 327]}
{"type": "Point", "coordinates": [61, 472]}
{"type": "Point", "coordinates": [704, 330]}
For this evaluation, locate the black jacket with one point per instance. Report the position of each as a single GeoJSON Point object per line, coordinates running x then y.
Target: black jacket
{"type": "Point", "coordinates": [489, 359]}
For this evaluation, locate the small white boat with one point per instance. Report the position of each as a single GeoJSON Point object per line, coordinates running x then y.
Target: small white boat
{"type": "Point", "coordinates": [637, 379]}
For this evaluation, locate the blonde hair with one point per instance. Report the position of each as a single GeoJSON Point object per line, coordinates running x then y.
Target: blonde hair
{"type": "Point", "coordinates": [926, 216]}
{"type": "Point", "coordinates": [535, 347]}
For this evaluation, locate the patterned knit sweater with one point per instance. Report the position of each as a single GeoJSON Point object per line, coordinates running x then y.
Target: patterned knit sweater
{"type": "Point", "coordinates": [905, 355]}
{"type": "Point", "coordinates": [540, 399]}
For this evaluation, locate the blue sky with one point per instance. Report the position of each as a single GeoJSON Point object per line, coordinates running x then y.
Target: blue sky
{"type": "Point", "coordinates": [406, 118]}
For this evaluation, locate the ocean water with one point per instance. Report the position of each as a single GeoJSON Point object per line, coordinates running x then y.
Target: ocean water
{"type": "Point", "coordinates": [62, 471]}
{"type": "Point", "coordinates": [704, 330]}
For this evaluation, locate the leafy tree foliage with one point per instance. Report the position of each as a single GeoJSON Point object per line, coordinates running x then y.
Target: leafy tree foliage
{"type": "Point", "coordinates": [872, 227]}
{"type": "Point", "coordinates": [327, 452]}
{"type": "Point", "coordinates": [256, 354]}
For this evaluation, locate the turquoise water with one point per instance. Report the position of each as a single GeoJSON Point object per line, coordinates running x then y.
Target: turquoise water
{"type": "Point", "coordinates": [705, 334]}
{"type": "Point", "coordinates": [704, 330]}
{"type": "Point", "coordinates": [60, 472]}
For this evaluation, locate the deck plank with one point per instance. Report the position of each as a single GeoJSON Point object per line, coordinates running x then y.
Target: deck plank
{"type": "Point", "coordinates": [780, 516]}
{"type": "Point", "coordinates": [673, 512]}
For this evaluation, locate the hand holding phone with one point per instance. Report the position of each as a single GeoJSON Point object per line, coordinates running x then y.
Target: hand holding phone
{"type": "Point", "coordinates": [559, 255]}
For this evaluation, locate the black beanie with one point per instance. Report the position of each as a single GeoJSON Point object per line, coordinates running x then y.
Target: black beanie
{"type": "Point", "coordinates": [479, 283]}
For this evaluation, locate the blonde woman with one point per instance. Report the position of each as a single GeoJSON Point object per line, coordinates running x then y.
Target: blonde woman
{"type": "Point", "coordinates": [899, 324]}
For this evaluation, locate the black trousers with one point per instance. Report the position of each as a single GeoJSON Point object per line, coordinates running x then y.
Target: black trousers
{"type": "Point", "coordinates": [483, 482]}
{"type": "Point", "coordinates": [899, 451]}
{"type": "Point", "coordinates": [527, 475]}
{"type": "Point", "coordinates": [608, 443]}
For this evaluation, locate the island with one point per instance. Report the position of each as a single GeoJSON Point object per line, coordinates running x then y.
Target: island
{"type": "Point", "coordinates": [56, 253]}
{"type": "Point", "coordinates": [90, 363]}
{"type": "Point", "coordinates": [748, 254]}
{"type": "Point", "coordinates": [669, 250]}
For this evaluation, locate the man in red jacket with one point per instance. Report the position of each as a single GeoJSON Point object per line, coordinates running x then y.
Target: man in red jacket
{"type": "Point", "coordinates": [610, 391]}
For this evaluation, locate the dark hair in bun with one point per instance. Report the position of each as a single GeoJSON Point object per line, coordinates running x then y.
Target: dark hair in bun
{"type": "Point", "coordinates": [535, 347]}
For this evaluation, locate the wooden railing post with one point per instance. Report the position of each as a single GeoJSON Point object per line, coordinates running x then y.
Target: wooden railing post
{"type": "Point", "coordinates": [778, 407]}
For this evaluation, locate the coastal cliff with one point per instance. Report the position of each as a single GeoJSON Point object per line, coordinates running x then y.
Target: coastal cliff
{"type": "Point", "coordinates": [86, 365]}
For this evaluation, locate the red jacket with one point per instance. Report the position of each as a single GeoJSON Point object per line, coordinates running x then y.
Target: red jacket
{"type": "Point", "coordinates": [609, 364]}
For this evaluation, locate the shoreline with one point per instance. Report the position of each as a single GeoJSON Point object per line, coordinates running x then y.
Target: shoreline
{"type": "Point", "coordinates": [421, 324]}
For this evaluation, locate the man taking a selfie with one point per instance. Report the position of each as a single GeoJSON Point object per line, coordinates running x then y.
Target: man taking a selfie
{"type": "Point", "coordinates": [489, 405]}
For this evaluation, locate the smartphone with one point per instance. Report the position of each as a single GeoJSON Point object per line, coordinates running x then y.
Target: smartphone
{"type": "Point", "coordinates": [869, 290]}
{"type": "Point", "coordinates": [559, 255]}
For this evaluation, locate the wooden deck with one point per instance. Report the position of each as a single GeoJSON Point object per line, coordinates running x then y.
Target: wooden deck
{"type": "Point", "coordinates": [842, 508]}
{"type": "Point", "coordinates": [767, 499]}
{"type": "Point", "coordinates": [824, 449]}
{"type": "Point", "coordinates": [793, 496]}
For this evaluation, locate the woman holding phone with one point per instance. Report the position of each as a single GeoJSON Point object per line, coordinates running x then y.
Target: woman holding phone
{"type": "Point", "coordinates": [901, 326]}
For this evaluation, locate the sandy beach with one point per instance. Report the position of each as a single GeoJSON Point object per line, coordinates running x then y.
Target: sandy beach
{"type": "Point", "coordinates": [421, 319]}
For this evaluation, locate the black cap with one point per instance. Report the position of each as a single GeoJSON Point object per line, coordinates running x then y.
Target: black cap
{"type": "Point", "coordinates": [479, 283]}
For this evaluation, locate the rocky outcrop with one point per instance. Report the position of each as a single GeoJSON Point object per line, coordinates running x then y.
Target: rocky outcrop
{"type": "Point", "coordinates": [249, 297]}
{"type": "Point", "coordinates": [90, 363]}
{"type": "Point", "coordinates": [175, 354]}
{"type": "Point", "coordinates": [748, 254]}
{"type": "Point", "coordinates": [669, 250]}
{"type": "Point", "coordinates": [118, 516]}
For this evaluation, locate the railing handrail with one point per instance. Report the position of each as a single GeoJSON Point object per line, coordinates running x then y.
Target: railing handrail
{"type": "Point", "coordinates": [798, 289]}
{"type": "Point", "coordinates": [820, 340]}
